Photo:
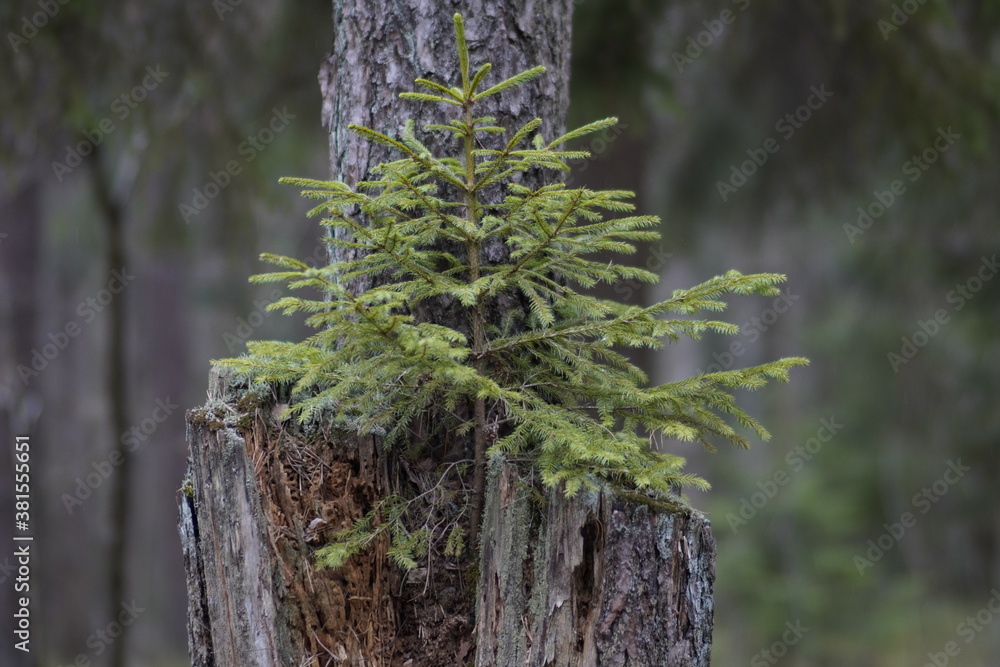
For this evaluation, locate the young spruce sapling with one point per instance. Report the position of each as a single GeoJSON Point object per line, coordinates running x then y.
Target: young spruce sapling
{"type": "Point", "coordinates": [545, 384]}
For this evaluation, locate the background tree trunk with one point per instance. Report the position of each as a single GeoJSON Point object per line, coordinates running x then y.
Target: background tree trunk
{"type": "Point", "coordinates": [116, 258]}
{"type": "Point", "coordinates": [601, 580]}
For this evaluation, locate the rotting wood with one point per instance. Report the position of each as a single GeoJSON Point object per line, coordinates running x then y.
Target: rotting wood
{"type": "Point", "coordinates": [594, 580]}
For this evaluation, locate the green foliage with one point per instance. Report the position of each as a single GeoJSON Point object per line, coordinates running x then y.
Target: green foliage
{"type": "Point", "coordinates": [387, 517]}
{"type": "Point", "coordinates": [548, 381]}
{"type": "Point", "coordinates": [412, 526]}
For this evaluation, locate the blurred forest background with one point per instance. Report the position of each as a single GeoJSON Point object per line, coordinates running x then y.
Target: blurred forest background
{"type": "Point", "coordinates": [852, 146]}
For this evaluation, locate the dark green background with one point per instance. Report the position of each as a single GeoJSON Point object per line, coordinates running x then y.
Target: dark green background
{"type": "Point", "coordinates": [868, 524]}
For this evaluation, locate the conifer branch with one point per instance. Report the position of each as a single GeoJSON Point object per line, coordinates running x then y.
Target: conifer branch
{"type": "Point", "coordinates": [550, 236]}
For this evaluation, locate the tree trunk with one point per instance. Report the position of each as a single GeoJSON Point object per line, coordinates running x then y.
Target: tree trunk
{"type": "Point", "coordinates": [601, 580]}
{"type": "Point", "coordinates": [594, 580]}
{"type": "Point", "coordinates": [114, 220]}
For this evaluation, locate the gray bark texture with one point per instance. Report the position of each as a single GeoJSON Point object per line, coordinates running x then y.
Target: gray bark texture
{"type": "Point", "coordinates": [235, 591]}
{"type": "Point", "coordinates": [597, 580]}
{"type": "Point", "coordinates": [381, 46]}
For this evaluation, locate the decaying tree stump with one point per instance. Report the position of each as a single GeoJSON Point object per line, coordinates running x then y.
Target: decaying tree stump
{"type": "Point", "coordinates": [258, 500]}
{"type": "Point", "coordinates": [596, 580]}
{"type": "Point", "coordinates": [235, 593]}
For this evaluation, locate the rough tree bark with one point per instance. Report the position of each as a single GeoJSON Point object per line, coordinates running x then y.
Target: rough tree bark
{"type": "Point", "coordinates": [595, 580]}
